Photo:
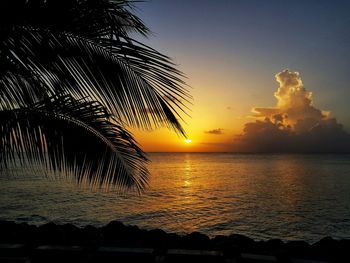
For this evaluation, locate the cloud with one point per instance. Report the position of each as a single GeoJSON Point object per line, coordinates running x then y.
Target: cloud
{"type": "Point", "coordinates": [294, 125]}
{"type": "Point", "coordinates": [218, 131]}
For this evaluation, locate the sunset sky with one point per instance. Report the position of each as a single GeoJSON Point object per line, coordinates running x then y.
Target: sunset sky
{"type": "Point", "coordinates": [231, 51]}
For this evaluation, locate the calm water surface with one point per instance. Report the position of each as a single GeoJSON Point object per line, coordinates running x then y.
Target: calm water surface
{"type": "Point", "coordinates": [291, 197]}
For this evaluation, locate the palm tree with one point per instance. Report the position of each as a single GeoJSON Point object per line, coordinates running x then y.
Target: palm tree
{"type": "Point", "coordinates": [72, 78]}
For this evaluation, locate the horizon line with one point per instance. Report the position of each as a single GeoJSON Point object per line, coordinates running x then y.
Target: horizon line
{"type": "Point", "coordinates": [211, 152]}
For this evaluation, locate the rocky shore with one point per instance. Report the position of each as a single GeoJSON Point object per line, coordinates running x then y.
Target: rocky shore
{"type": "Point", "coordinates": [31, 243]}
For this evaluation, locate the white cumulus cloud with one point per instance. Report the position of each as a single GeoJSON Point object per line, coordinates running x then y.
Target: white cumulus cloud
{"type": "Point", "coordinates": [293, 125]}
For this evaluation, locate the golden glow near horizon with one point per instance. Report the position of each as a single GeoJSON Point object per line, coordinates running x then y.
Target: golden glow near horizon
{"type": "Point", "coordinates": [223, 110]}
{"type": "Point", "coordinates": [217, 123]}
{"type": "Point", "coordinates": [217, 116]}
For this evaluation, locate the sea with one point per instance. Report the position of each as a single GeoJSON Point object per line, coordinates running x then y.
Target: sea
{"type": "Point", "coordinates": [262, 196]}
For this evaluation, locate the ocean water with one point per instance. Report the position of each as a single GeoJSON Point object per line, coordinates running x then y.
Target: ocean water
{"type": "Point", "coordinates": [291, 197]}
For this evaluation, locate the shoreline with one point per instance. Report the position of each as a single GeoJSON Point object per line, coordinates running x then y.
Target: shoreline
{"type": "Point", "coordinates": [117, 235]}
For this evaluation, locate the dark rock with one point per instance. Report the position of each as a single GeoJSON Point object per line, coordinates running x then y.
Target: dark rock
{"type": "Point", "coordinates": [91, 236]}
{"type": "Point", "coordinates": [157, 238]}
{"type": "Point", "coordinates": [114, 226]}
{"type": "Point", "coordinates": [120, 235]}
{"type": "Point", "coordinates": [70, 235]}
{"type": "Point", "coordinates": [134, 237]}
{"type": "Point", "coordinates": [220, 242]}
{"type": "Point", "coordinates": [274, 246]}
{"type": "Point", "coordinates": [117, 234]}
{"type": "Point", "coordinates": [48, 234]}
{"type": "Point", "coordinates": [274, 243]}
{"type": "Point", "coordinates": [196, 240]}
{"type": "Point", "coordinates": [326, 248]}
{"type": "Point", "coordinates": [174, 240]}
{"type": "Point", "coordinates": [277, 248]}
{"type": "Point", "coordinates": [224, 244]}
{"type": "Point", "coordinates": [7, 231]}
{"type": "Point", "coordinates": [298, 249]}
{"type": "Point", "coordinates": [114, 233]}
{"type": "Point", "coordinates": [243, 243]}
{"type": "Point", "coordinates": [28, 233]}
{"type": "Point", "coordinates": [343, 249]}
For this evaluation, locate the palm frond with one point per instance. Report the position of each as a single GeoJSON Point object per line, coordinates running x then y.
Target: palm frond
{"type": "Point", "coordinates": [69, 69]}
{"type": "Point", "coordinates": [126, 76]}
{"type": "Point", "coordinates": [92, 18]}
{"type": "Point", "coordinates": [76, 137]}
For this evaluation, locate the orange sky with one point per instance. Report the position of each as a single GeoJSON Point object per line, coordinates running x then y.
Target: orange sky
{"type": "Point", "coordinates": [207, 112]}
{"type": "Point", "coordinates": [218, 104]}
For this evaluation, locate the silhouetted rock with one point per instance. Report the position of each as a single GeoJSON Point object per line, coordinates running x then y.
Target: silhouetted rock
{"type": "Point", "coordinates": [48, 234]}
{"type": "Point", "coordinates": [343, 249]}
{"type": "Point", "coordinates": [113, 233]}
{"type": "Point", "coordinates": [7, 231]}
{"type": "Point", "coordinates": [70, 234]}
{"type": "Point", "coordinates": [242, 243]}
{"type": "Point", "coordinates": [274, 246]}
{"type": "Point", "coordinates": [220, 242]}
{"type": "Point", "coordinates": [11, 232]}
{"type": "Point", "coordinates": [196, 240]}
{"type": "Point", "coordinates": [174, 240]}
{"type": "Point", "coordinates": [119, 235]}
{"type": "Point", "coordinates": [114, 226]}
{"type": "Point", "coordinates": [224, 244]}
{"type": "Point", "coordinates": [330, 249]}
{"type": "Point", "coordinates": [298, 249]}
{"type": "Point", "coordinates": [91, 236]}
{"type": "Point", "coordinates": [326, 248]}
{"type": "Point", "coordinates": [134, 237]}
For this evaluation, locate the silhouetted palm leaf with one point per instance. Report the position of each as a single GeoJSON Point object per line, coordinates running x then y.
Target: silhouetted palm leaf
{"type": "Point", "coordinates": [76, 137]}
{"type": "Point", "coordinates": [138, 84]}
{"type": "Point", "coordinates": [55, 54]}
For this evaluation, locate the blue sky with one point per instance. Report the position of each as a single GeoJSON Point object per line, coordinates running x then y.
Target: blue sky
{"type": "Point", "coordinates": [233, 49]}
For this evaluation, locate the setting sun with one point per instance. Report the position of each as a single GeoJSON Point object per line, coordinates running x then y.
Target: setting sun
{"type": "Point", "coordinates": [188, 141]}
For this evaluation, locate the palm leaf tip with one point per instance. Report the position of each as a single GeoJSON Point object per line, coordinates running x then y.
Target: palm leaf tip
{"type": "Point", "coordinates": [75, 137]}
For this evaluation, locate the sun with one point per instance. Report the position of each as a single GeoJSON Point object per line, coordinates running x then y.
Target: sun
{"type": "Point", "coordinates": [188, 141]}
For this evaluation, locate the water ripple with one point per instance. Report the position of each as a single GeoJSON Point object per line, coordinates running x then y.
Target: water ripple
{"type": "Point", "coordinates": [290, 197]}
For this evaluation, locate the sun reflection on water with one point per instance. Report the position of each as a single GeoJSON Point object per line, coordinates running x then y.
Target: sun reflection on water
{"type": "Point", "coordinates": [187, 171]}
{"type": "Point", "coordinates": [262, 196]}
